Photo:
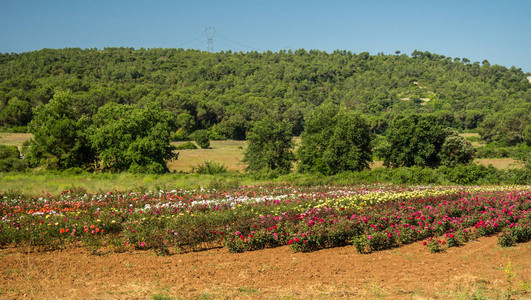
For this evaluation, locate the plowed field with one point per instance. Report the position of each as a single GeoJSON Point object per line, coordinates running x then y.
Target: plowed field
{"type": "Point", "coordinates": [477, 269]}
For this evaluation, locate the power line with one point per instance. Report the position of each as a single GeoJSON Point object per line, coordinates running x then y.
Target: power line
{"type": "Point", "coordinates": [240, 44]}
{"type": "Point", "coordinates": [226, 45]}
{"type": "Point", "coordinates": [192, 40]}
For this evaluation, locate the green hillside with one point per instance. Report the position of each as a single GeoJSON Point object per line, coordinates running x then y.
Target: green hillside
{"type": "Point", "coordinates": [225, 92]}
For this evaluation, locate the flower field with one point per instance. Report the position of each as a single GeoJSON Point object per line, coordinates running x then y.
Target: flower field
{"type": "Point", "coordinates": [370, 217]}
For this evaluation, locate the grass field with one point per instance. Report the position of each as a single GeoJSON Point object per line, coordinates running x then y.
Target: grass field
{"type": "Point", "coordinates": [229, 153]}
{"type": "Point", "coordinates": [14, 139]}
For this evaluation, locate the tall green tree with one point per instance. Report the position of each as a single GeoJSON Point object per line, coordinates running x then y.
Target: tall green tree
{"type": "Point", "coordinates": [270, 145]}
{"type": "Point", "coordinates": [132, 139]}
{"type": "Point", "coordinates": [335, 141]}
{"type": "Point", "coordinates": [60, 139]}
{"type": "Point", "coordinates": [414, 140]}
{"type": "Point", "coordinates": [16, 113]}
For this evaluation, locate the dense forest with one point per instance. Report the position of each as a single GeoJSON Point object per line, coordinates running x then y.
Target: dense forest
{"type": "Point", "coordinates": [118, 109]}
{"type": "Point", "coordinates": [226, 92]}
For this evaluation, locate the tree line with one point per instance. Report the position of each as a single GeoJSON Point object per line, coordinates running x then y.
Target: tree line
{"type": "Point", "coordinates": [336, 140]}
{"type": "Point", "coordinates": [117, 109]}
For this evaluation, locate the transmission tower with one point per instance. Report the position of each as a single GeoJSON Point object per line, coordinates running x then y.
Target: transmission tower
{"type": "Point", "coordinates": [209, 32]}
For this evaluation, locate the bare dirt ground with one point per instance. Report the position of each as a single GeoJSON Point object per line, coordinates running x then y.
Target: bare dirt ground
{"type": "Point", "coordinates": [476, 269]}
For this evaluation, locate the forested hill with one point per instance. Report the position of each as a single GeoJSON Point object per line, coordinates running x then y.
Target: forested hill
{"type": "Point", "coordinates": [225, 92]}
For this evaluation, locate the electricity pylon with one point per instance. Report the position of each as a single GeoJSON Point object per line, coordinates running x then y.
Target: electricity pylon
{"type": "Point", "coordinates": [209, 33]}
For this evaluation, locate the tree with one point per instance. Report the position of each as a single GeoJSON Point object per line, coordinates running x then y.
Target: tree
{"type": "Point", "coordinates": [527, 134]}
{"type": "Point", "coordinates": [17, 113]}
{"type": "Point", "coordinates": [186, 122]}
{"type": "Point", "coordinates": [270, 145]}
{"type": "Point", "coordinates": [60, 139]}
{"type": "Point", "coordinates": [133, 139]}
{"type": "Point", "coordinates": [201, 138]}
{"type": "Point", "coordinates": [234, 127]}
{"type": "Point", "coordinates": [507, 126]}
{"type": "Point", "coordinates": [334, 141]}
{"type": "Point", "coordinates": [414, 140]}
{"type": "Point", "coordinates": [456, 150]}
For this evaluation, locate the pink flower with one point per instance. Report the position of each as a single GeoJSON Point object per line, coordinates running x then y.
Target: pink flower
{"type": "Point", "coordinates": [369, 237]}
{"type": "Point", "coordinates": [142, 244]}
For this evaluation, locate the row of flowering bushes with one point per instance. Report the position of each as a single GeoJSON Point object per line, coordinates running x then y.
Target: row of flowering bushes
{"type": "Point", "coordinates": [372, 218]}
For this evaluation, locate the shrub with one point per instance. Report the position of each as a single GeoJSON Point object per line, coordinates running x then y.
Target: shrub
{"type": "Point", "coordinates": [185, 146]}
{"type": "Point", "coordinates": [456, 150]}
{"type": "Point", "coordinates": [210, 167]}
{"type": "Point", "coordinates": [179, 135]}
{"type": "Point", "coordinates": [10, 159]}
{"type": "Point", "coordinates": [8, 152]}
{"type": "Point", "coordinates": [434, 245]}
{"type": "Point", "coordinates": [506, 239]}
{"type": "Point", "coordinates": [202, 138]}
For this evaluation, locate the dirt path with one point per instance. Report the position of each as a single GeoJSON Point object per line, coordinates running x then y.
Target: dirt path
{"type": "Point", "coordinates": [409, 272]}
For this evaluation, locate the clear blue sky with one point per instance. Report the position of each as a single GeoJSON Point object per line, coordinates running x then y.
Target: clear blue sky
{"type": "Point", "coordinates": [496, 30]}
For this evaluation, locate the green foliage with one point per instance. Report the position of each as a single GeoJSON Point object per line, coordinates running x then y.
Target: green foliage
{"type": "Point", "coordinates": [202, 138]}
{"type": "Point", "coordinates": [179, 135]}
{"type": "Point", "coordinates": [507, 126]}
{"type": "Point", "coordinates": [527, 134]}
{"type": "Point", "coordinates": [523, 154]}
{"type": "Point", "coordinates": [269, 147]}
{"type": "Point", "coordinates": [16, 113]}
{"type": "Point", "coordinates": [334, 141]}
{"type": "Point", "coordinates": [234, 127]}
{"type": "Point", "coordinates": [456, 150]}
{"type": "Point", "coordinates": [185, 146]}
{"type": "Point", "coordinates": [60, 140]}
{"type": "Point", "coordinates": [415, 140]}
{"type": "Point", "coordinates": [233, 90]}
{"type": "Point", "coordinates": [10, 160]}
{"type": "Point", "coordinates": [9, 152]}
{"type": "Point", "coordinates": [210, 167]}
{"type": "Point", "coordinates": [186, 122]}
{"type": "Point", "coordinates": [131, 139]}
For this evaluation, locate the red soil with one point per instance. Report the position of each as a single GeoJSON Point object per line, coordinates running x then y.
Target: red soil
{"type": "Point", "coordinates": [409, 272]}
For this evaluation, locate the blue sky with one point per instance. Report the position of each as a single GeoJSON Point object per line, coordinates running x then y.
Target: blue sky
{"type": "Point", "coordinates": [499, 31]}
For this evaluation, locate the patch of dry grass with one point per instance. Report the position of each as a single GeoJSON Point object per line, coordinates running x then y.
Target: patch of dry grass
{"type": "Point", "coordinates": [14, 139]}
{"type": "Point", "coordinates": [500, 163]}
{"type": "Point", "coordinates": [465, 135]}
{"type": "Point", "coordinates": [228, 152]}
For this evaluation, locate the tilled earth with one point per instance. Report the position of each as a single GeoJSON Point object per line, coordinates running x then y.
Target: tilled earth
{"type": "Point", "coordinates": [477, 269]}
